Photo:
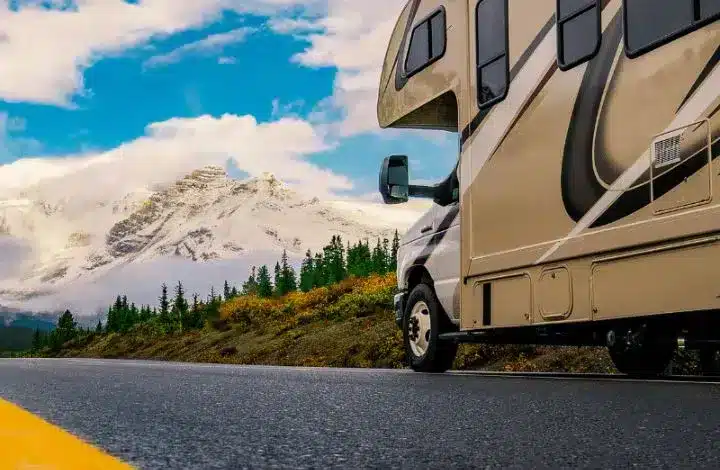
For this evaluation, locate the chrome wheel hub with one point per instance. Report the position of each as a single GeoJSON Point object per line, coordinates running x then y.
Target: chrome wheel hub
{"type": "Point", "coordinates": [419, 328]}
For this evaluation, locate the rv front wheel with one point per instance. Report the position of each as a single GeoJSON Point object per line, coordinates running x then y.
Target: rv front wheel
{"type": "Point", "coordinates": [424, 320]}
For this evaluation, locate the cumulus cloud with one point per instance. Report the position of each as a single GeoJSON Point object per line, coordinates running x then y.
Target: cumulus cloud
{"type": "Point", "coordinates": [46, 46]}
{"type": "Point", "coordinates": [352, 37]}
{"type": "Point", "coordinates": [45, 51]}
{"type": "Point", "coordinates": [177, 146]}
{"type": "Point", "coordinates": [209, 45]}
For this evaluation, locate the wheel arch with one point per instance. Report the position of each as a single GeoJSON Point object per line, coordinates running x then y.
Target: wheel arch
{"type": "Point", "coordinates": [419, 274]}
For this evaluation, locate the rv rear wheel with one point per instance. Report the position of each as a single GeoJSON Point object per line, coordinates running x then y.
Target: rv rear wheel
{"type": "Point", "coordinates": [710, 361]}
{"type": "Point", "coordinates": [642, 351]}
{"type": "Point", "coordinates": [424, 320]}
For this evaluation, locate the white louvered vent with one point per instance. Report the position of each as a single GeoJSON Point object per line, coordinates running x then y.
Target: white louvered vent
{"type": "Point", "coordinates": [667, 150]}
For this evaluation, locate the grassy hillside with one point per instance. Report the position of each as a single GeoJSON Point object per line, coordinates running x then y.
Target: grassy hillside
{"type": "Point", "coordinates": [349, 324]}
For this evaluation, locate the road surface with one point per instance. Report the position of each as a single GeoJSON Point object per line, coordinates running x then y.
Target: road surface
{"type": "Point", "coordinates": [165, 415]}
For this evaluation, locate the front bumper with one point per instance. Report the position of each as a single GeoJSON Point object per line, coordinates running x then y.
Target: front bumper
{"type": "Point", "coordinates": [399, 303]}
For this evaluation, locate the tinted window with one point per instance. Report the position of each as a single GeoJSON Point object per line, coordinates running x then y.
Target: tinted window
{"type": "Point", "coordinates": [579, 31]}
{"type": "Point", "coordinates": [493, 77]}
{"type": "Point", "coordinates": [427, 43]}
{"type": "Point", "coordinates": [492, 44]}
{"type": "Point", "coordinates": [419, 49]}
{"type": "Point", "coordinates": [490, 29]}
{"type": "Point", "coordinates": [709, 8]}
{"type": "Point", "coordinates": [651, 23]}
{"type": "Point", "coordinates": [568, 7]}
{"type": "Point", "coordinates": [437, 31]}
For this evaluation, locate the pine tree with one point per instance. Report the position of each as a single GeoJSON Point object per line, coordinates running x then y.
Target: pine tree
{"type": "Point", "coordinates": [394, 251]}
{"type": "Point", "coordinates": [195, 315]}
{"type": "Point", "coordinates": [286, 281]}
{"type": "Point", "coordinates": [264, 284]}
{"type": "Point", "coordinates": [366, 256]}
{"type": "Point", "coordinates": [277, 281]}
{"type": "Point", "coordinates": [386, 255]}
{"type": "Point", "coordinates": [340, 267]}
{"type": "Point", "coordinates": [250, 286]}
{"type": "Point", "coordinates": [211, 309]}
{"type": "Point", "coordinates": [164, 305]}
{"type": "Point", "coordinates": [377, 259]}
{"type": "Point", "coordinates": [111, 322]}
{"type": "Point", "coordinates": [306, 272]}
{"type": "Point", "coordinates": [196, 303]}
{"type": "Point", "coordinates": [98, 328]}
{"type": "Point", "coordinates": [180, 305]}
{"type": "Point", "coordinates": [66, 328]}
{"type": "Point", "coordinates": [234, 292]}
{"type": "Point", "coordinates": [319, 278]}
{"type": "Point", "coordinates": [352, 261]}
{"type": "Point", "coordinates": [132, 317]}
{"type": "Point", "coordinates": [115, 316]}
{"type": "Point", "coordinates": [36, 340]}
{"type": "Point", "coordinates": [226, 291]}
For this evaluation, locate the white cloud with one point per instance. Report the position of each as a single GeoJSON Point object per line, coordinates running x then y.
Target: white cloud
{"type": "Point", "coordinates": [172, 148]}
{"type": "Point", "coordinates": [44, 51]}
{"type": "Point", "coordinates": [209, 45]}
{"type": "Point", "coordinates": [286, 110]}
{"type": "Point", "coordinates": [293, 25]}
{"type": "Point", "coordinates": [11, 145]}
{"type": "Point", "coordinates": [350, 36]}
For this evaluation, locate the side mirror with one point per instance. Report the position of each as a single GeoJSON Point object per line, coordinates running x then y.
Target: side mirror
{"type": "Point", "coordinates": [394, 179]}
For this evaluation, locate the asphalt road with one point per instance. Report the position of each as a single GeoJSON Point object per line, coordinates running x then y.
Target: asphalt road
{"type": "Point", "coordinates": [164, 415]}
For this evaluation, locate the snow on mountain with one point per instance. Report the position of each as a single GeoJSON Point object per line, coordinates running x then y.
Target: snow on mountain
{"type": "Point", "coordinates": [209, 223]}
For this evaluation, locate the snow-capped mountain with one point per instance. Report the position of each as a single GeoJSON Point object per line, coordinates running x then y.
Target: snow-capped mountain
{"type": "Point", "coordinates": [204, 217]}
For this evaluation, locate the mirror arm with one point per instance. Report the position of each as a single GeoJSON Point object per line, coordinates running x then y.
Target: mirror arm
{"type": "Point", "coordinates": [422, 191]}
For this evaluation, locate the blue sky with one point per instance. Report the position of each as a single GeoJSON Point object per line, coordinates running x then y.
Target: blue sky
{"type": "Point", "coordinates": [235, 64]}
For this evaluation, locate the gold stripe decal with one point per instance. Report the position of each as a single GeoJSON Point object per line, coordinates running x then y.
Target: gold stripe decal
{"type": "Point", "coordinates": [29, 442]}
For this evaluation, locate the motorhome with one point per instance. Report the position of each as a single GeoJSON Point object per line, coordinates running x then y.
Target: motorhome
{"type": "Point", "coordinates": [582, 208]}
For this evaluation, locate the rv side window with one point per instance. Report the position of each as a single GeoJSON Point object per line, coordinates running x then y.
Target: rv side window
{"type": "Point", "coordinates": [650, 24]}
{"type": "Point", "coordinates": [579, 31]}
{"type": "Point", "coordinates": [427, 43]}
{"type": "Point", "coordinates": [491, 37]}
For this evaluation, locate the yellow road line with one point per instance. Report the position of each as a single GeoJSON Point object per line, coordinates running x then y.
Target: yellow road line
{"type": "Point", "coordinates": [27, 442]}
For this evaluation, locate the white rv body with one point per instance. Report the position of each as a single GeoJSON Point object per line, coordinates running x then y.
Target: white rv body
{"type": "Point", "coordinates": [440, 245]}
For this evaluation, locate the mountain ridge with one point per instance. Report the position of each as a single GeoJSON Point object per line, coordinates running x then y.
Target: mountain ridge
{"type": "Point", "coordinates": [202, 217]}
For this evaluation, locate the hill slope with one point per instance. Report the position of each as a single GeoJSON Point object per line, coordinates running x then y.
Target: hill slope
{"type": "Point", "coordinates": [349, 324]}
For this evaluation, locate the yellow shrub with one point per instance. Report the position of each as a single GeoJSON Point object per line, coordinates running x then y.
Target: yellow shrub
{"type": "Point", "coordinates": [351, 298]}
{"type": "Point", "coordinates": [248, 308]}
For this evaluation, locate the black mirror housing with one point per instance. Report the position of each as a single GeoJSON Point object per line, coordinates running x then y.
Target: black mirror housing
{"type": "Point", "coordinates": [394, 179]}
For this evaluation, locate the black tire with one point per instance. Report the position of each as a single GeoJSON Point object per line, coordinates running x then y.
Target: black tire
{"type": "Point", "coordinates": [709, 361]}
{"type": "Point", "coordinates": [649, 358]}
{"type": "Point", "coordinates": [439, 355]}
{"type": "Point", "coordinates": [644, 362]}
